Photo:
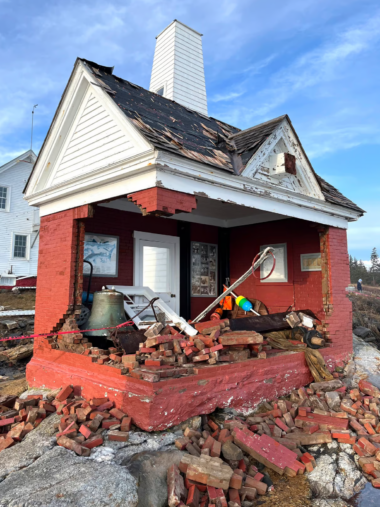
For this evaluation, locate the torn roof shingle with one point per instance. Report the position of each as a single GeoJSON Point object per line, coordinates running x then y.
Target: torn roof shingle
{"type": "Point", "coordinates": [172, 127]}
{"type": "Point", "coordinates": [248, 141]}
{"type": "Point", "coordinates": [166, 124]}
{"type": "Point", "coordinates": [335, 197]}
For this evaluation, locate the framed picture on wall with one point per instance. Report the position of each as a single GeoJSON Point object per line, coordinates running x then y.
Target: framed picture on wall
{"type": "Point", "coordinates": [204, 265]}
{"type": "Point", "coordinates": [103, 252]}
{"type": "Point", "coordinates": [311, 262]}
{"type": "Point", "coordinates": [280, 273]}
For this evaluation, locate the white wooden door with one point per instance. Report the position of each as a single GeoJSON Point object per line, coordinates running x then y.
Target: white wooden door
{"type": "Point", "coordinates": [156, 265]}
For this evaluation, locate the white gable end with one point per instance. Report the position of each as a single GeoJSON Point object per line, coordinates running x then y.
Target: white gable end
{"type": "Point", "coordinates": [284, 140]}
{"type": "Point", "coordinates": [96, 140]}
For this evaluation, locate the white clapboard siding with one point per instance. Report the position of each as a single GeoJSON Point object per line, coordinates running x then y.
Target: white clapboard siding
{"type": "Point", "coordinates": [178, 67]}
{"type": "Point", "coordinates": [96, 142]}
{"type": "Point", "coordinates": [156, 268]}
{"type": "Point", "coordinates": [20, 219]}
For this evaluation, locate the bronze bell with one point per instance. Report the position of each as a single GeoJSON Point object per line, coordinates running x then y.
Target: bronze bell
{"type": "Point", "coordinates": [107, 311]}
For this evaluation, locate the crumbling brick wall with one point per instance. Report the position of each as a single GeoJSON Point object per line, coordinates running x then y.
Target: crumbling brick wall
{"type": "Point", "coordinates": [335, 279]}
{"type": "Point", "coordinates": [60, 268]}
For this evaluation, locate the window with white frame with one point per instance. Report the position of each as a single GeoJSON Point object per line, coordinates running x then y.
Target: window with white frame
{"type": "Point", "coordinates": [20, 249]}
{"type": "Point", "coordinates": [280, 273]}
{"type": "Point", "coordinates": [4, 198]}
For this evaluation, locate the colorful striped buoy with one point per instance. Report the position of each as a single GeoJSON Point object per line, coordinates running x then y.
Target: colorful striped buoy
{"type": "Point", "coordinates": [243, 303]}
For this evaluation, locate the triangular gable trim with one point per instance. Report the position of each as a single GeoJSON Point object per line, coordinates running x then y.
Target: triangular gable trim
{"type": "Point", "coordinates": [305, 171]}
{"type": "Point", "coordinates": [81, 83]}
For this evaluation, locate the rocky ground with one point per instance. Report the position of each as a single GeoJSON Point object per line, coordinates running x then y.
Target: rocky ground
{"type": "Point", "coordinates": [37, 472]}
{"type": "Point", "coordinates": [366, 314]}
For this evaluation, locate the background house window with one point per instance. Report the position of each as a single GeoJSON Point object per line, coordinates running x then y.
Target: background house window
{"type": "Point", "coordinates": [280, 274]}
{"type": "Point", "coordinates": [20, 246]}
{"type": "Point", "coordinates": [4, 198]}
{"type": "Point", "coordinates": [160, 91]}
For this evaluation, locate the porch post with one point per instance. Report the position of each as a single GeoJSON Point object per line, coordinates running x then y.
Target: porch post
{"type": "Point", "coordinates": [60, 269]}
{"type": "Point", "coordinates": [335, 279]}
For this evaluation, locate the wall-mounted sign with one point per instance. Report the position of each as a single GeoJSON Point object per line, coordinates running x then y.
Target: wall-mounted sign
{"type": "Point", "coordinates": [204, 266]}
{"type": "Point", "coordinates": [280, 273]}
{"type": "Point", "coordinates": [103, 252]}
{"type": "Point", "coordinates": [311, 262]}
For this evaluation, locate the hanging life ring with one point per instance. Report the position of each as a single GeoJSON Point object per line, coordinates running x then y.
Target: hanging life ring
{"type": "Point", "coordinates": [271, 271]}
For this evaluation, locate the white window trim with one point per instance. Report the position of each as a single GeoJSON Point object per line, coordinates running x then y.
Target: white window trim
{"type": "Point", "coordinates": [271, 279]}
{"type": "Point", "coordinates": [161, 238]}
{"type": "Point", "coordinates": [310, 256]}
{"type": "Point", "coordinates": [8, 201]}
{"type": "Point", "coordinates": [26, 258]}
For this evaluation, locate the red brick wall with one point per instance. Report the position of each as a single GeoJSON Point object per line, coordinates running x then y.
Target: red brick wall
{"type": "Point", "coordinates": [339, 308]}
{"type": "Point", "coordinates": [122, 224]}
{"type": "Point", "coordinates": [303, 289]}
{"type": "Point", "coordinates": [58, 250]}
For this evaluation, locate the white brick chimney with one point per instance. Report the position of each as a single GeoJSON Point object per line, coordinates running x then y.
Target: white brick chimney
{"type": "Point", "coordinates": [178, 71]}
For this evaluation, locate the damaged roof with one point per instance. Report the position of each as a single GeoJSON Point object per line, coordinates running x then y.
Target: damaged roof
{"type": "Point", "coordinates": [168, 125]}
{"type": "Point", "coordinates": [333, 195]}
{"type": "Point", "coordinates": [173, 127]}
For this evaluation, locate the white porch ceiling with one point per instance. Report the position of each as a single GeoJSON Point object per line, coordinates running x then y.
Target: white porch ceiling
{"type": "Point", "coordinates": [210, 212]}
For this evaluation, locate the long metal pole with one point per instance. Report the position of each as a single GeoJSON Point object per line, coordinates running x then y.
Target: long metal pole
{"type": "Point", "coordinates": [258, 263]}
{"type": "Point", "coordinates": [31, 134]}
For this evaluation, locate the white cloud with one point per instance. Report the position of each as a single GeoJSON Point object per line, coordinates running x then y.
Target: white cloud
{"type": "Point", "coordinates": [226, 97]}
{"type": "Point", "coordinates": [319, 65]}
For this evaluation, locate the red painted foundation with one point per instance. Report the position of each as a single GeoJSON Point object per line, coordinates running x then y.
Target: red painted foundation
{"type": "Point", "coordinates": [156, 406]}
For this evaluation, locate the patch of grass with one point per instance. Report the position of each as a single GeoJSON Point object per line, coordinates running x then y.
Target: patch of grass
{"type": "Point", "coordinates": [26, 300]}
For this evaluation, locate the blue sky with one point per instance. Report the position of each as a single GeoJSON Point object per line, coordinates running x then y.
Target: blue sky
{"type": "Point", "coordinates": [316, 60]}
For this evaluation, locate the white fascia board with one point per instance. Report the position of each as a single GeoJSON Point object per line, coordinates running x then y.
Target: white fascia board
{"type": "Point", "coordinates": [174, 171]}
{"type": "Point", "coordinates": [103, 184]}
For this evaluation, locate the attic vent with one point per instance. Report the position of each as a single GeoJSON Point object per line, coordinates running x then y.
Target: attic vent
{"type": "Point", "coordinates": [282, 164]}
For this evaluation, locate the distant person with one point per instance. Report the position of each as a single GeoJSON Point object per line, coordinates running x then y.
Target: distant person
{"type": "Point", "coordinates": [359, 285]}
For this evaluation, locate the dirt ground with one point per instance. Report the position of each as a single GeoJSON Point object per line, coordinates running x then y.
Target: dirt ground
{"type": "Point", "coordinates": [23, 301]}
{"type": "Point", "coordinates": [13, 387]}
{"type": "Point", "coordinates": [288, 492]}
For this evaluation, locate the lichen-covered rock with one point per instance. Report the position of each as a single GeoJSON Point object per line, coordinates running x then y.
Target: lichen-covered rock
{"type": "Point", "coordinates": [322, 477]}
{"type": "Point", "coordinates": [327, 502]}
{"type": "Point", "coordinates": [348, 480]}
{"type": "Point", "coordinates": [158, 442]}
{"type": "Point", "coordinates": [336, 477]}
{"type": "Point", "coordinates": [35, 444]}
{"type": "Point", "coordinates": [60, 478]}
{"type": "Point", "coordinates": [150, 471]}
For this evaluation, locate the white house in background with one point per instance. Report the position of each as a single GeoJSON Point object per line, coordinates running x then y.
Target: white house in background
{"type": "Point", "coordinates": [19, 222]}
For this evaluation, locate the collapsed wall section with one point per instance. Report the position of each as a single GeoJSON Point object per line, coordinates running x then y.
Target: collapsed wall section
{"type": "Point", "coordinates": [60, 268]}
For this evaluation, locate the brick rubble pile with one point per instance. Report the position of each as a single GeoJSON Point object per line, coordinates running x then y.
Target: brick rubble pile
{"type": "Point", "coordinates": [222, 467]}
{"type": "Point", "coordinates": [80, 428]}
{"type": "Point", "coordinates": [167, 353]}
